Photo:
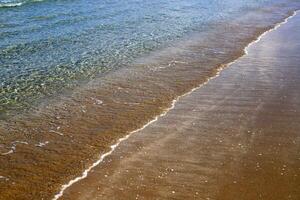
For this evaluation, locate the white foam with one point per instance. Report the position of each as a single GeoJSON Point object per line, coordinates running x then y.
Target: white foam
{"type": "Point", "coordinates": [58, 133]}
{"type": "Point", "coordinates": [268, 31]}
{"type": "Point", "coordinates": [41, 144]}
{"type": "Point", "coordinates": [13, 147]}
{"type": "Point", "coordinates": [6, 153]}
{"type": "Point", "coordinates": [20, 142]}
{"type": "Point", "coordinates": [114, 146]}
{"type": "Point", "coordinates": [5, 5]}
{"type": "Point", "coordinates": [5, 178]}
{"type": "Point", "coordinates": [97, 101]}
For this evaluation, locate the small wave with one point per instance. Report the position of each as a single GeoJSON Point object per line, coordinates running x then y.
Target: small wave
{"type": "Point", "coordinates": [4, 5]}
{"type": "Point", "coordinates": [8, 4]}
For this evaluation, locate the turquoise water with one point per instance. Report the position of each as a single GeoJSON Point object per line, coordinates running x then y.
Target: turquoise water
{"type": "Point", "coordinates": [46, 46]}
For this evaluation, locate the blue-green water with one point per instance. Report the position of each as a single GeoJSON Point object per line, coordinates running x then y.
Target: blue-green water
{"type": "Point", "coordinates": [49, 45]}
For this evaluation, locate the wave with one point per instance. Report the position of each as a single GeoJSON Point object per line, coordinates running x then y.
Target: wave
{"type": "Point", "coordinates": [4, 5]}
{"type": "Point", "coordinates": [9, 4]}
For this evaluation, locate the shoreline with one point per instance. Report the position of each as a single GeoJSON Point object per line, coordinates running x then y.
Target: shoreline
{"type": "Point", "coordinates": [219, 70]}
{"type": "Point", "coordinates": [254, 124]}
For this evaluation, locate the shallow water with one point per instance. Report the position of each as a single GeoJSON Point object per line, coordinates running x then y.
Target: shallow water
{"type": "Point", "coordinates": [125, 62]}
{"type": "Point", "coordinates": [46, 46]}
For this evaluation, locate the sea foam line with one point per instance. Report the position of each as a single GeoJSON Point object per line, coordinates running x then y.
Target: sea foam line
{"type": "Point", "coordinates": [114, 146]}
{"type": "Point", "coordinates": [16, 4]}
{"type": "Point", "coordinates": [270, 30]}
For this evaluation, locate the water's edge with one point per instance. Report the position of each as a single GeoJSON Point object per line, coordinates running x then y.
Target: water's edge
{"type": "Point", "coordinates": [218, 72]}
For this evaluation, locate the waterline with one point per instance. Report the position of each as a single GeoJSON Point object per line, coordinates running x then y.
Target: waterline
{"type": "Point", "coordinates": [114, 146]}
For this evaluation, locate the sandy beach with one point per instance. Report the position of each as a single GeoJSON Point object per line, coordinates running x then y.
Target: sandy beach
{"type": "Point", "coordinates": [236, 137]}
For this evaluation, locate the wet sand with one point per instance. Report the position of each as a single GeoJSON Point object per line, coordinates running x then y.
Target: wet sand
{"type": "Point", "coordinates": [236, 137]}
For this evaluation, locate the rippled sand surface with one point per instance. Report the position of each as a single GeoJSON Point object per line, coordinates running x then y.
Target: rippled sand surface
{"type": "Point", "coordinates": [237, 137]}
